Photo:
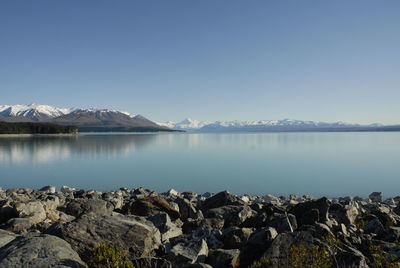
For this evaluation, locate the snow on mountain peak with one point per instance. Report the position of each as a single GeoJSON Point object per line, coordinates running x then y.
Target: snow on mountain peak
{"type": "Point", "coordinates": [186, 124]}
{"type": "Point", "coordinates": [35, 111]}
{"type": "Point", "coordinates": [32, 110]}
{"type": "Point", "coordinates": [191, 124]}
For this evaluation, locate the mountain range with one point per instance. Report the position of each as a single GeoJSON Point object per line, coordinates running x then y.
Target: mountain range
{"type": "Point", "coordinates": [103, 120]}
{"type": "Point", "coordinates": [284, 125]}
{"type": "Point", "coordinates": [85, 119]}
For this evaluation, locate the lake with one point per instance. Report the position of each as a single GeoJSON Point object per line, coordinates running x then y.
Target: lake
{"type": "Point", "coordinates": [331, 164]}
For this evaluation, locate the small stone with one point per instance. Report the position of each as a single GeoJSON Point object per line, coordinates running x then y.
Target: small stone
{"type": "Point", "coordinates": [48, 189]}
{"type": "Point", "coordinates": [67, 189]}
{"type": "Point", "coordinates": [172, 192]}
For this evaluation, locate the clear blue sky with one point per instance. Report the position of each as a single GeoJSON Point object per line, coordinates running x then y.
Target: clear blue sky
{"type": "Point", "coordinates": [206, 59]}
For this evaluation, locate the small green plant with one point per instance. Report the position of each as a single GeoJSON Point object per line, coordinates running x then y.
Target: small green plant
{"type": "Point", "coordinates": [381, 259]}
{"type": "Point", "coordinates": [310, 257]}
{"type": "Point", "coordinates": [263, 263]}
{"type": "Point", "coordinates": [109, 256]}
{"type": "Point", "coordinates": [360, 221]}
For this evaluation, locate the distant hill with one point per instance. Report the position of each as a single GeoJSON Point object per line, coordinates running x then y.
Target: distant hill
{"type": "Point", "coordinates": [35, 128]}
{"type": "Point", "coordinates": [99, 120]}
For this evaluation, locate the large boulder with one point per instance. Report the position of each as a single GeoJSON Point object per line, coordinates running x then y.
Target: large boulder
{"type": "Point", "coordinates": [48, 189]}
{"type": "Point", "coordinates": [186, 208]}
{"type": "Point", "coordinates": [211, 236]}
{"type": "Point", "coordinates": [7, 211]}
{"type": "Point", "coordinates": [279, 251]}
{"type": "Point", "coordinates": [376, 197]}
{"type": "Point", "coordinates": [235, 237]}
{"type": "Point", "coordinates": [374, 227]}
{"type": "Point", "coordinates": [150, 206]}
{"type": "Point", "coordinates": [284, 223]}
{"type": "Point", "coordinates": [132, 233]}
{"type": "Point", "coordinates": [232, 215]}
{"type": "Point", "coordinates": [78, 207]}
{"type": "Point", "coordinates": [221, 199]}
{"type": "Point", "coordinates": [302, 211]}
{"type": "Point", "coordinates": [29, 214]}
{"type": "Point", "coordinates": [39, 251]}
{"type": "Point", "coordinates": [188, 252]}
{"type": "Point", "coordinates": [167, 228]}
{"type": "Point", "coordinates": [224, 258]}
{"type": "Point", "coordinates": [346, 214]}
{"type": "Point", "coordinates": [258, 242]}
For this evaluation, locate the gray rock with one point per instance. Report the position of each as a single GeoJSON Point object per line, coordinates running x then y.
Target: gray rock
{"type": "Point", "coordinates": [7, 211]}
{"type": "Point", "coordinates": [80, 206]}
{"type": "Point", "coordinates": [393, 234]}
{"type": "Point", "coordinates": [135, 234]}
{"type": "Point", "coordinates": [48, 189]}
{"type": "Point", "coordinates": [167, 229]}
{"type": "Point", "coordinates": [29, 214]}
{"type": "Point", "coordinates": [257, 244]}
{"type": "Point", "coordinates": [350, 257]}
{"type": "Point", "coordinates": [270, 199]}
{"type": "Point", "coordinates": [376, 197]}
{"type": "Point", "coordinates": [279, 250]}
{"type": "Point", "coordinates": [322, 205]}
{"type": "Point", "coordinates": [284, 223]}
{"type": "Point", "coordinates": [171, 193]}
{"type": "Point", "coordinates": [186, 208]}
{"type": "Point", "coordinates": [216, 223]}
{"type": "Point", "coordinates": [224, 258]}
{"type": "Point", "coordinates": [149, 206]}
{"type": "Point", "coordinates": [221, 199]}
{"type": "Point", "coordinates": [211, 236]}
{"type": "Point", "coordinates": [67, 189]}
{"type": "Point", "coordinates": [374, 227]}
{"type": "Point", "coordinates": [50, 205]}
{"type": "Point", "coordinates": [258, 220]}
{"type": "Point", "coordinates": [310, 217]}
{"type": "Point", "coordinates": [6, 237]}
{"type": "Point", "coordinates": [39, 251]}
{"type": "Point", "coordinates": [397, 209]}
{"type": "Point", "coordinates": [235, 237]}
{"type": "Point", "coordinates": [189, 253]}
{"type": "Point", "coordinates": [345, 214]}
{"type": "Point", "coordinates": [232, 215]}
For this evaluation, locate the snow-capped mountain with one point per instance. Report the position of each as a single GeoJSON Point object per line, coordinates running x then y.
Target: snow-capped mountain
{"type": "Point", "coordinates": [261, 125]}
{"type": "Point", "coordinates": [85, 119]}
{"type": "Point", "coordinates": [186, 124]}
{"type": "Point", "coordinates": [34, 112]}
{"type": "Point", "coordinates": [104, 118]}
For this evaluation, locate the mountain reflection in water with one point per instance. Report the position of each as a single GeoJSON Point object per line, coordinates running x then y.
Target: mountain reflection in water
{"type": "Point", "coordinates": [49, 148]}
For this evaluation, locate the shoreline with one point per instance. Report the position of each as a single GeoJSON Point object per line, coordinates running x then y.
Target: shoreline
{"type": "Point", "coordinates": [39, 135]}
{"type": "Point", "coordinates": [186, 229]}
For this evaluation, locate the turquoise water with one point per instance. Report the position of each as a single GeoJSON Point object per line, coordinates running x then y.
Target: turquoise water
{"type": "Point", "coordinates": [332, 164]}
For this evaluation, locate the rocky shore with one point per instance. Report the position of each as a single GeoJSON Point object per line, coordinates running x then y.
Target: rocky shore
{"type": "Point", "coordinates": [68, 227]}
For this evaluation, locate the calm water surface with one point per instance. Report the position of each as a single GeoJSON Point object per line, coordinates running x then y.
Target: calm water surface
{"type": "Point", "coordinates": [332, 164]}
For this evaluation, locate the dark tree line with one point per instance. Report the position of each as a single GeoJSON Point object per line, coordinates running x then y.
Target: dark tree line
{"type": "Point", "coordinates": [35, 128]}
